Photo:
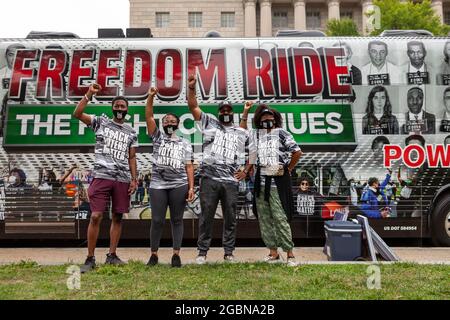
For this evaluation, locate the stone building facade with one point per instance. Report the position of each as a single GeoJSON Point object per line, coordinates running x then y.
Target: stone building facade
{"type": "Point", "coordinates": [249, 18]}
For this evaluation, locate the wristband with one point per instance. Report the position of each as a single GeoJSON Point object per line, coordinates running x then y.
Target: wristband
{"type": "Point", "coordinates": [86, 97]}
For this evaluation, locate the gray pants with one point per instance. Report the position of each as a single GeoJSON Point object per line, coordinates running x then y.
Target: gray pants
{"type": "Point", "coordinates": [211, 192]}
{"type": "Point", "coordinates": [160, 199]}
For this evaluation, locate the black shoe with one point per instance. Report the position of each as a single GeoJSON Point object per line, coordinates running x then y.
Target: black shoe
{"type": "Point", "coordinates": [88, 265]}
{"type": "Point", "coordinates": [113, 259]}
{"type": "Point", "coordinates": [176, 261]}
{"type": "Point", "coordinates": [153, 260]}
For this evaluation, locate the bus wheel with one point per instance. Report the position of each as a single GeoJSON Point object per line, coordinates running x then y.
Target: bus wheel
{"type": "Point", "coordinates": [440, 224]}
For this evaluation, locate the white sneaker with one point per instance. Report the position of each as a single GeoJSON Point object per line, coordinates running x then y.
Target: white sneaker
{"type": "Point", "coordinates": [272, 259]}
{"type": "Point", "coordinates": [200, 259]}
{"type": "Point", "coordinates": [291, 262]}
{"type": "Point", "coordinates": [229, 258]}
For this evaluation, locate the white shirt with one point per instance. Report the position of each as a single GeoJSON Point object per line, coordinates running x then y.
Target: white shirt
{"type": "Point", "coordinates": [412, 69]}
{"type": "Point", "coordinates": [412, 116]}
{"type": "Point", "coordinates": [409, 68]}
{"type": "Point", "coordinates": [387, 67]}
{"type": "Point", "coordinates": [45, 187]}
{"type": "Point", "coordinates": [354, 195]}
{"type": "Point", "coordinates": [5, 72]}
{"type": "Point", "coordinates": [446, 115]}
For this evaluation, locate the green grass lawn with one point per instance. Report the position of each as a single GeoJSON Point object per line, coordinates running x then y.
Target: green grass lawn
{"type": "Point", "coordinates": [28, 280]}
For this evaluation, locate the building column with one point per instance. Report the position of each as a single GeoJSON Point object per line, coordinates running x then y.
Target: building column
{"type": "Point", "coordinates": [266, 18]}
{"type": "Point", "coordinates": [299, 15]}
{"type": "Point", "coordinates": [366, 7]}
{"type": "Point", "coordinates": [333, 10]}
{"type": "Point", "coordinates": [250, 18]}
{"type": "Point", "coordinates": [438, 9]}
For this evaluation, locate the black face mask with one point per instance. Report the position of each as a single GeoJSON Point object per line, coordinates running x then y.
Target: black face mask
{"type": "Point", "coordinates": [119, 114]}
{"type": "Point", "coordinates": [267, 124]}
{"type": "Point", "coordinates": [226, 118]}
{"type": "Point", "coordinates": [170, 129]}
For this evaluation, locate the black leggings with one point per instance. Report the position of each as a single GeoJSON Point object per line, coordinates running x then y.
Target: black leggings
{"type": "Point", "coordinates": [160, 199]}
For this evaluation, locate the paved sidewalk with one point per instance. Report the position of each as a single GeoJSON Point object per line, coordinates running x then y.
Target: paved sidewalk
{"type": "Point", "coordinates": [305, 255]}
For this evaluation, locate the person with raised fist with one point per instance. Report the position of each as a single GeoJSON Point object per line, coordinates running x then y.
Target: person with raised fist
{"type": "Point", "coordinates": [223, 160]}
{"type": "Point", "coordinates": [172, 180]}
{"type": "Point", "coordinates": [115, 171]}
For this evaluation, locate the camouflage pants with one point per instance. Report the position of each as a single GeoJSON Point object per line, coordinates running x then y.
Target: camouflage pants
{"type": "Point", "coordinates": [275, 229]}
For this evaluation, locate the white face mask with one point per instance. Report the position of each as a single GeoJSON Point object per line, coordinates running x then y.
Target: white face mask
{"type": "Point", "coordinates": [12, 179]}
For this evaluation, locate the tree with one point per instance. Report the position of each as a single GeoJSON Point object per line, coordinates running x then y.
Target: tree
{"type": "Point", "coordinates": [342, 27]}
{"type": "Point", "coordinates": [407, 15]}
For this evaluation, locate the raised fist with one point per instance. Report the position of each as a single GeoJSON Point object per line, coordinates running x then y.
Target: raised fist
{"type": "Point", "coordinates": [152, 91]}
{"type": "Point", "coordinates": [94, 88]}
{"type": "Point", "coordinates": [248, 105]}
{"type": "Point", "coordinates": [192, 80]}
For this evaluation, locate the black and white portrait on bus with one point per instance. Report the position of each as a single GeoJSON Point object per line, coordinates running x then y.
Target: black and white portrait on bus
{"type": "Point", "coordinates": [443, 78]}
{"type": "Point", "coordinates": [417, 120]}
{"type": "Point", "coordinates": [416, 70]}
{"type": "Point", "coordinates": [354, 71]}
{"type": "Point", "coordinates": [5, 72]}
{"type": "Point", "coordinates": [379, 71]}
{"type": "Point", "coordinates": [445, 122]}
{"type": "Point", "coordinates": [379, 118]}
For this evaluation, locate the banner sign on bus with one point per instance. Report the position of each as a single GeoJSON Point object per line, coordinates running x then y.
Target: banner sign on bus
{"type": "Point", "coordinates": [309, 86]}
{"type": "Point", "coordinates": [32, 126]}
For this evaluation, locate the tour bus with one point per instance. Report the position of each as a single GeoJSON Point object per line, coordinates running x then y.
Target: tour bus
{"type": "Point", "coordinates": [359, 108]}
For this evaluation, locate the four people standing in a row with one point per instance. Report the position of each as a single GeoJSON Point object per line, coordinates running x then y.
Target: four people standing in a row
{"type": "Point", "coordinates": [230, 153]}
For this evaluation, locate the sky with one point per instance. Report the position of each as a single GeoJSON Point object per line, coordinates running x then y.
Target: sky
{"type": "Point", "coordinates": [83, 17]}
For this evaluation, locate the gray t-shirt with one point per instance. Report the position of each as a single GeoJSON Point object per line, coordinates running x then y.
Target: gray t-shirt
{"type": "Point", "coordinates": [271, 150]}
{"type": "Point", "coordinates": [170, 156]}
{"type": "Point", "coordinates": [112, 145]}
{"type": "Point", "coordinates": [223, 149]}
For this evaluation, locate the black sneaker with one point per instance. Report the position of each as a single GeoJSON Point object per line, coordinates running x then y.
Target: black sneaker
{"type": "Point", "coordinates": [112, 258]}
{"type": "Point", "coordinates": [153, 260]}
{"type": "Point", "coordinates": [88, 265]}
{"type": "Point", "coordinates": [176, 261]}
